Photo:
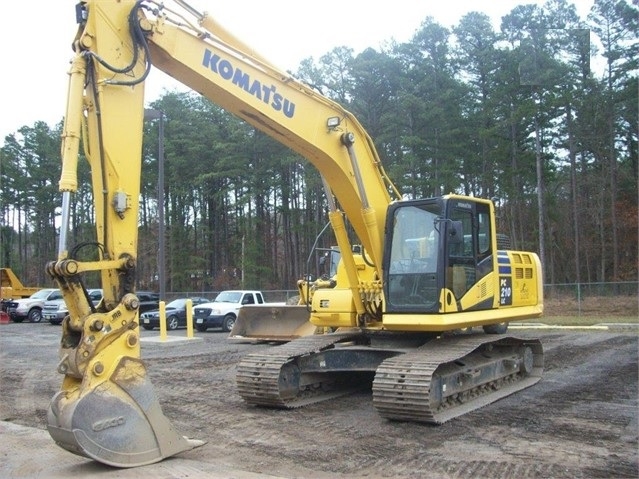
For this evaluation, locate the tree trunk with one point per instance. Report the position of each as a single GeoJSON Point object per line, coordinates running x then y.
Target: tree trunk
{"type": "Point", "coordinates": [540, 190]}
{"type": "Point", "coordinates": [573, 188]}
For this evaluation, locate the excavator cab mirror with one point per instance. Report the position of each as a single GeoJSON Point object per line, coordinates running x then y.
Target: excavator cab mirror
{"type": "Point", "coordinates": [455, 232]}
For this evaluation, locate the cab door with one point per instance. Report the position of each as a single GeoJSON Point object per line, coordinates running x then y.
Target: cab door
{"type": "Point", "coordinates": [468, 255]}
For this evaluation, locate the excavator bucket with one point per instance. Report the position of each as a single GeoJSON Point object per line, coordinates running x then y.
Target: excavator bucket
{"type": "Point", "coordinates": [118, 422]}
{"type": "Point", "coordinates": [272, 323]}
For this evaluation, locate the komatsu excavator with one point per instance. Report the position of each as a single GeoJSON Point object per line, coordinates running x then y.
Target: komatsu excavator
{"type": "Point", "coordinates": [428, 274]}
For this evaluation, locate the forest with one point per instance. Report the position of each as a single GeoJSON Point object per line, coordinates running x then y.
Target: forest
{"type": "Point", "coordinates": [540, 115]}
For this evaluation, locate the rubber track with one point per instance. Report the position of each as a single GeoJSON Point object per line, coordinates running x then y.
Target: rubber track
{"type": "Point", "coordinates": [258, 374]}
{"type": "Point", "coordinates": [401, 388]}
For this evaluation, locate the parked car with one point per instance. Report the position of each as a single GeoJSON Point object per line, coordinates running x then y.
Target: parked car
{"type": "Point", "coordinates": [55, 310]}
{"type": "Point", "coordinates": [175, 314]}
{"type": "Point", "coordinates": [31, 308]}
{"type": "Point", "coordinates": [149, 301]}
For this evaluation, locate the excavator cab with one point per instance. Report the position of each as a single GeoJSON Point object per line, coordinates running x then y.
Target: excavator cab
{"type": "Point", "coordinates": [436, 251]}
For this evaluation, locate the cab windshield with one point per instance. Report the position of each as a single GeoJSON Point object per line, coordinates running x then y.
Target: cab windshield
{"type": "Point", "coordinates": [412, 270]}
{"type": "Point", "coordinates": [228, 297]}
{"type": "Point", "coordinates": [46, 294]}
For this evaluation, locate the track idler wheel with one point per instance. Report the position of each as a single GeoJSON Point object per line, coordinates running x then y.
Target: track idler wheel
{"type": "Point", "coordinates": [118, 422]}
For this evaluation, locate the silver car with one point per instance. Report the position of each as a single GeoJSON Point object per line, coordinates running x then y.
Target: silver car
{"type": "Point", "coordinates": [56, 310]}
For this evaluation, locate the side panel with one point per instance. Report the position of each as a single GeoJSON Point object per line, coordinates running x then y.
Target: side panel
{"type": "Point", "coordinates": [520, 279]}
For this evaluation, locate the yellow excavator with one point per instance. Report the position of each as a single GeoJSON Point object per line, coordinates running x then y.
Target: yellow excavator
{"type": "Point", "coordinates": [413, 303]}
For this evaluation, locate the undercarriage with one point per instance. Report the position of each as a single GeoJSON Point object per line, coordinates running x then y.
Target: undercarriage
{"type": "Point", "coordinates": [425, 379]}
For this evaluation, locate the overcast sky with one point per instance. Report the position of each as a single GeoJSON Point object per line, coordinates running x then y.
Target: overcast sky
{"type": "Point", "coordinates": [36, 40]}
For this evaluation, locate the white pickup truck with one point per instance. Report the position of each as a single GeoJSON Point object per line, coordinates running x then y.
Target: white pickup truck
{"type": "Point", "coordinates": [223, 311]}
{"type": "Point", "coordinates": [31, 308]}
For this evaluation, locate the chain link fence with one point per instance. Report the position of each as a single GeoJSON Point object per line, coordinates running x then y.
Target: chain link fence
{"type": "Point", "coordinates": [592, 299]}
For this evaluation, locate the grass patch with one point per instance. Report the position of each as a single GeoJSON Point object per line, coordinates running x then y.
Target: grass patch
{"type": "Point", "coordinates": [585, 320]}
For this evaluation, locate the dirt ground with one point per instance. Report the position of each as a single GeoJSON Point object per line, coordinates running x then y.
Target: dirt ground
{"type": "Point", "coordinates": [579, 421]}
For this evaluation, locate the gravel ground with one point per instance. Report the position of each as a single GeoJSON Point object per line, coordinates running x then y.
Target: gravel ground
{"type": "Point", "coordinates": [579, 421]}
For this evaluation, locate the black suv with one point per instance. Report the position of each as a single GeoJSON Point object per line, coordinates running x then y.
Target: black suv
{"type": "Point", "coordinates": [148, 300]}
